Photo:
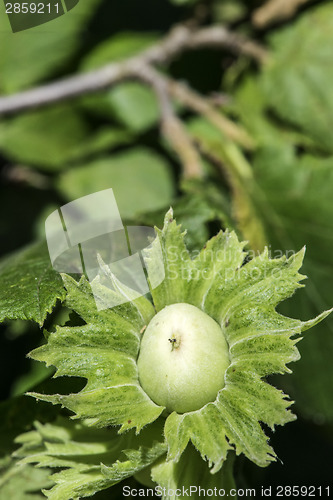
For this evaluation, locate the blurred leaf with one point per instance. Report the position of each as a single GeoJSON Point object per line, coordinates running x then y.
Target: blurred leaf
{"type": "Point", "coordinates": [23, 482]}
{"type": "Point", "coordinates": [233, 165]}
{"type": "Point", "coordinates": [296, 81]}
{"type": "Point", "coordinates": [201, 205]}
{"type": "Point", "coordinates": [228, 11]}
{"type": "Point", "coordinates": [90, 459]}
{"type": "Point", "coordinates": [103, 139]}
{"type": "Point", "coordinates": [134, 105]}
{"type": "Point", "coordinates": [44, 138]}
{"type": "Point", "coordinates": [29, 56]}
{"type": "Point", "coordinates": [250, 105]}
{"type": "Point", "coordinates": [17, 415]}
{"type": "Point", "coordinates": [297, 209]}
{"type": "Point", "coordinates": [16, 328]}
{"type": "Point", "coordinates": [29, 287]}
{"type": "Point", "coordinates": [140, 179]}
{"type": "Point", "coordinates": [191, 472]}
{"type": "Point", "coordinates": [130, 103]}
{"type": "Point", "coordinates": [117, 48]}
{"type": "Point", "coordinates": [36, 375]}
{"type": "Point", "coordinates": [49, 138]}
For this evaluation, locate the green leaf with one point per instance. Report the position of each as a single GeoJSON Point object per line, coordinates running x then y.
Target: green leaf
{"type": "Point", "coordinates": [174, 259]}
{"type": "Point", "coordinates": [200, 204]}
{"type": "Point", "coordinates": [229, 11]}
{"type": "Point", "coordinates": [23, 482]}
{"type": "Point", "coordinates": [150, 185]}
{"type": "Point", "coordinates": [29, 56]}
{"type": "Point", "coordinates": [295, 81]}
{"type": "Point", "coordinates": [43, 138]}
{"type": "Point", "coordinates": [103, 139]}
{"type": "Point", "coordinates": [179, 267]}
{"type": "Point", "coordinates": [20, 482]}
{"type": "Point", "coordinates": [103, 351]}
{"type": "Point", "coordinates": [250, 105]}
{"type": "Point", "coordinates": [37, 374]}
{"type": "Point", "coordinates": [130, 103]}
{"type": "Point", "coordinates": [139, 459]}
{"type": "Point", "coordinates": [190, 474]}
{"type": "Point", "coordinates": [29, 286]}
{"type": "Point", "coordinates": [50, 138]}
{"type": "Point", "coordinates": [91, 459]}
{"type": "Point", "coordinates": [117, 48]}
{"type": "Point", "coordinates": [133, 105]}
{"type": "Point", "coordinates": [239, 176]}
{"type": "Point", "coordinates": [205, 431]}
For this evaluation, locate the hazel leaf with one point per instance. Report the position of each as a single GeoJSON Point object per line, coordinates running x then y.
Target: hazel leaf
{"type": "Point", "coordinates": [188, 280]}
{"type": "Point", "coordinates": [204, 429]}
{"type": "Point", "coordinates": [103, 351]}
{"type": "Point", "coordinates": [174, 261]}
{"type": "Point", "coordinates": [291, 79]}
{"type": "Point", "coordinates": [91, 459]}
{"type": "Point", "coordinates": [29, 286]}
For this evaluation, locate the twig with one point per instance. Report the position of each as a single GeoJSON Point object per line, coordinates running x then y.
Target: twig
{"type": "Point", "coordinates": [164, 85]}
{"type": "Point", "coordinates": [171, 126]}
{"type": "Point", "coordinates": [174, 131]}
{"type": "Point", "coordinates": [179, 40]}
{"type": "Point", "coordinates": [274, 11]}
{"type": "Point", "coordinates": [199, 104]}
{"type": "Point", "coordinates": [22, 174]}
{"type": "Point", "coordinates": [220, 37]}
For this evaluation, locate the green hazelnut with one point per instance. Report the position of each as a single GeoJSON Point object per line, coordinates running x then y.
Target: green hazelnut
{"type": "Point", "coordinates": [183, 358]}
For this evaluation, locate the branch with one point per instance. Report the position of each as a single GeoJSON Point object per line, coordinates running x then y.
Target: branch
{"type": "Point", "coordinates": [219, 37]}
{"type": "Point", "coordinates": [199, 104]}
{"type": "Point", "coordinates": [274, 11]}
{"type": "Point", "coordinates": [177, 41]}
{"type": "Point", "coordinates": [171, 126]}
